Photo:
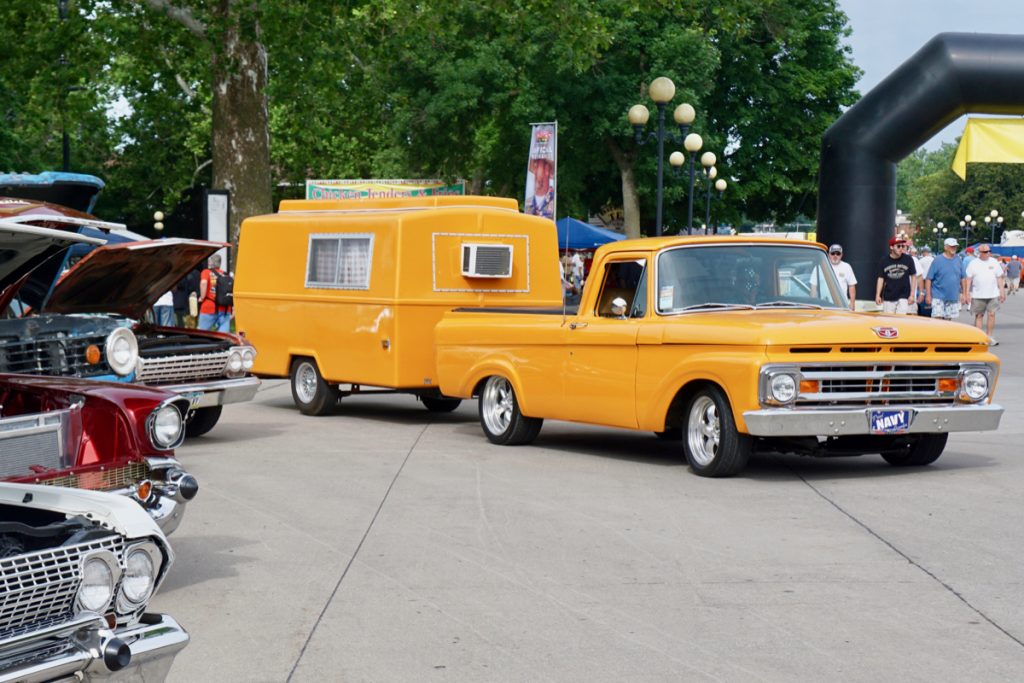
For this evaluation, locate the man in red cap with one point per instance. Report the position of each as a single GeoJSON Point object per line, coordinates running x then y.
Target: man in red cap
{"type": "Point", "coordinates": [896, 281]}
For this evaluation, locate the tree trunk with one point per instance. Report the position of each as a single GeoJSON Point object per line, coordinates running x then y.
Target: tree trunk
{"type": "Point", "coordinates": [630, 200]}
{"type": "Point", "coordinates": [241, 132]}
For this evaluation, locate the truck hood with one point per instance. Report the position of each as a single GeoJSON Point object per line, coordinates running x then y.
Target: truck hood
{"type": "Point", "coordinates": [813, 328]}
{"type": "Point", "coordinates": [127, 278]}
{"type": "Point", "coordinates": [119, 513]}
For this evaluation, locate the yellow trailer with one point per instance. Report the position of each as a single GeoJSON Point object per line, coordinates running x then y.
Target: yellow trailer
{"type": "Point", "coordinates": [342, 296]}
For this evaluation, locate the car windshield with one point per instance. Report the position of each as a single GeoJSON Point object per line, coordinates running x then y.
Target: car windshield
{"type": "Point", "coordinates": [741, 276]}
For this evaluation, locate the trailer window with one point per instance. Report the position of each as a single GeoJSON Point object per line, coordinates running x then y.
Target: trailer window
{"type": "Point", "coordinates": [339, 261]}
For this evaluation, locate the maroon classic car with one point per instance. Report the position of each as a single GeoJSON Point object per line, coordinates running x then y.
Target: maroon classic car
{"type": "Point", "coordinates": [90, 322]}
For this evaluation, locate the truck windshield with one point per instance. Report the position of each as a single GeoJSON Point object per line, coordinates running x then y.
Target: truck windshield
{"type": "Point", "coordinates": [768, 276]}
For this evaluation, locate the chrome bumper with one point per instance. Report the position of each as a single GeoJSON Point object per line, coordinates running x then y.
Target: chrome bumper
{"type": "Point", "coordinates": [170, 496]}
{"type": "Point", "coordinates": [84, 649]}
{"type": "Point", "coordinates": [849, 421]}
{"type": "Point", "coordinates": [217, 392]}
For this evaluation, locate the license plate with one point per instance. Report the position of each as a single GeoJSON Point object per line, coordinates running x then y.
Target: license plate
{"type": "Point", "coordinates": [890, 421]}
{"type": "Point", "coordinates": [193, 398]}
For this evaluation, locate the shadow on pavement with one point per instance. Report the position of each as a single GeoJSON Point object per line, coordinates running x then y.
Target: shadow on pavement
{"type": "Point", "coordinates": [218, 560]}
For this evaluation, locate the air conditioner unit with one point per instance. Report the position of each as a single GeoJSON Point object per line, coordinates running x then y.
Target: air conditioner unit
{"type": "Point", "coordinates": [487, 260]}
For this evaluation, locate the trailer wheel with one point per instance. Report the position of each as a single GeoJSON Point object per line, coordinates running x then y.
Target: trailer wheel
{"type": "Point", "coordinates": [924, 450]}
{"type": "Point", "coordinates": [202, 420]}
{"type": "Point", "coordinates": [440, 405]}
{"type": "Point", "coordinates": [712, 445]}
{"type": "Point", "coordinates": [502, 421]}
{"type": "Point", "coordinates": [311, 393]}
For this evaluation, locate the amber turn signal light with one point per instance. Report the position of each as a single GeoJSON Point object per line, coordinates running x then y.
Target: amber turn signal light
{"type": "Point", "coordinates": [809, 386]}
{"type": "Point", "coordinates": [92, 354]}
{"type": "Point", "coordinates": [144, 490]}
{"type": "Point", "coordinates": [948, 385]}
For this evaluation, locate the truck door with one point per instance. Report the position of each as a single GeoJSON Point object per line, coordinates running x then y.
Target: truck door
{"type": "Point", "coordinates": [600, 385]}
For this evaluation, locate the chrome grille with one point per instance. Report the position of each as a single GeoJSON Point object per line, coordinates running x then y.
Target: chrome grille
{"type": "Point", "coordinates": [181, 368]}
{"type": "Point", "coordinates": [54, 354]}
{"type": "Point", "coordinates": [878, 384]}
{"type": "Point", "coordinates": [111, 479]}
{"type": "Point", "coordinates": [28, 441]}
{"type": "Point", "coordinates": [39, 587]}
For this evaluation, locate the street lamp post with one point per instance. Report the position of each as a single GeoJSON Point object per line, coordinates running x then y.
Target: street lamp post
{"type": "Point", "coordinates": [707, 160]}
{"type": "Point", "coordinates": [692, 144]}
{"type": "Point", "coordinates": [661, 90]}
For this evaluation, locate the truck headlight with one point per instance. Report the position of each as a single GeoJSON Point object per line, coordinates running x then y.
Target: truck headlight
{"type": "Point", "coordinates": [122, 350]}
{"type": "Point", "coordinates": [975, 384]}
{"type": "Point", "coordinates": [98, 581]}
{"type": "Point", "coordinates": [782, 388]}
{"type": "Point", "coordinates": [166, 426]}
{"type": "Point", "coordinates": [139, 578]}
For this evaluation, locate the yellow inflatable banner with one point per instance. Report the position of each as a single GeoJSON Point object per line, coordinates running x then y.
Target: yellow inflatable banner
{"type": "Point", "coordinates": [993, 141]}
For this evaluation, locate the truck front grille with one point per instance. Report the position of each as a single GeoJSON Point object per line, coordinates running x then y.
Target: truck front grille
{"type": "Point", "coordinates": [878, 385]}
{"type": "Point", "coordinates": [183, 368]}
{"type": "Point", "coordinates": [39, 588]}
{"type": "Point", "coordinates": [57, 355]}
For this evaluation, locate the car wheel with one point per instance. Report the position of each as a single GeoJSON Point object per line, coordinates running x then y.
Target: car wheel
{"type": "Point", "coordinates": [440, 405]}
{"type": "Point", "coordinates": [500, 417]}
{"type": "Point", "coordinates": [924, 450]}
{"type": "Point", "coordinates": [712, 445]}
{"type": "Point", "coordinates": [202, 420]}
{"type": "Point", "coordinates": [311, 393]}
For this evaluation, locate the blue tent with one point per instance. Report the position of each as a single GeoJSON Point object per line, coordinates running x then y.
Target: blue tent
{"type": "Point", "coordinates": [582, 235]}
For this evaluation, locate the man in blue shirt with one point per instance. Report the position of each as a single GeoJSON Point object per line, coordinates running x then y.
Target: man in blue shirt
{"type": "Point", "coordinates": [946, 283]}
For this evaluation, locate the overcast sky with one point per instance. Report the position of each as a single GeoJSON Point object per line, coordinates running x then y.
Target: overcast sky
{"type": "Point", "coordinates": [887, 32]}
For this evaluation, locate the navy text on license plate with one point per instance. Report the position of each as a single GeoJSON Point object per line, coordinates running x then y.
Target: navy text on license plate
{"type": "Point", "coordinates": [889, 421]}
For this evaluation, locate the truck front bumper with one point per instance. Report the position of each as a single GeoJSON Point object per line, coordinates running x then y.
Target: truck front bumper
{"type": "Point", "coordinates": [82, 649]}
{"type": "Point", "coordinates": [851, 421]}
{"type": "Point", "coordinates": [217, 392]}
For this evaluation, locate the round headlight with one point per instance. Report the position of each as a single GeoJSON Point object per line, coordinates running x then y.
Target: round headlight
{"type": "Point", "coordinates": [248, 358]}
{"type": "Point", "coordinates": [139, 576]}
{"type": "Point", "coordinates": [122, 351]}
{"type": "Point", "coordinates": [783, 388]}
{"type": "Point", "coordinates": [235, 361]}
{"type": "Point", "coordinates": [165, 427]}
{"type": "Point", "coordinates": [97, 585]}
{"type": "Point", "coordinates": [975, 385]}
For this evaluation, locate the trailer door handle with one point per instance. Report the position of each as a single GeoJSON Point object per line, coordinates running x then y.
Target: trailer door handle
{"type": "Point", "coordinates": [575, 326]}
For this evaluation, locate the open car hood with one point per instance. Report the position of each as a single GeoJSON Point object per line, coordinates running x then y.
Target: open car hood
{"type": "Point", "coordinates": [29, 242]}
{"type": "Point", "coordinates": [127, 278]}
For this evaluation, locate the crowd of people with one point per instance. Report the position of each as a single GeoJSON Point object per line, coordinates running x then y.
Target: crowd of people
{"type": "Point", "coordinates": [200, 300]}
{"type": "Point", "coordinates": [937, 286]}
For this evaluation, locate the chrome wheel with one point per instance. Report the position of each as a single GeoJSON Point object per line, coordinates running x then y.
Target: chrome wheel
{"type": "Point", "coordinates": [704, 430]}
{"type": "Point", "coordinates": [497, 405]}
{"type": "Point", "coordinates": [305, 382]}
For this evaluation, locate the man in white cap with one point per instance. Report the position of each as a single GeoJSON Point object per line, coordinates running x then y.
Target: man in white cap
{"type": "Point", "coordinates": [985, 293]}
{"type": "Point", "coordinates": [843, 271]}
{"type": "Point", "coordinates": [946, 283]}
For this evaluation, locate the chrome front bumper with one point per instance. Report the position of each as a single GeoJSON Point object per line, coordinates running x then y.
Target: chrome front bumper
{"type": "Point", "coordinates": [84, 649]}
{"type": "Point", "coordinates": [216, 392]}
{"type": "Point", "coordinates": [170, 496]}
{"type": "Point", "coordinates": [851, 421]}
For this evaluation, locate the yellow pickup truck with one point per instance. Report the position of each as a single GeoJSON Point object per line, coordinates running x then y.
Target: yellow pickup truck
{"type": "Point", "coordinates": [730, 345]}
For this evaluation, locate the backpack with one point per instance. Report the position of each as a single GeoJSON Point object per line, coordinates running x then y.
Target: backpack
{"type": "Point", "coordinates": [224, 294]}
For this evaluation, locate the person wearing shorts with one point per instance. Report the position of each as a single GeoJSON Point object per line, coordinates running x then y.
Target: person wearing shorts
{"type": "Point", "coordinates": [945, 283]}
{"type": "Point", "coordinates": [985, 277]}
{"type": "Point", "coordinates": [894, 288]}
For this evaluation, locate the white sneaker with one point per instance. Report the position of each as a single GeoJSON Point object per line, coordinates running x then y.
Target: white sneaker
{"type": "Point", "coordinates": [992, 341]}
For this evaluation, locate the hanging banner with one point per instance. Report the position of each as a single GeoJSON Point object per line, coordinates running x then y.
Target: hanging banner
{"type": "Point", "coordinates": [993, 141]}
{"type": "Point", "coordinates": [542, 170]}
{"type": "Point", "coordinates": [378, 189]}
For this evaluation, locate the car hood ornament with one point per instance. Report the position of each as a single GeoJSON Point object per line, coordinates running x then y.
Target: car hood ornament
{"type": "Point", "coordinates": [886, 332]}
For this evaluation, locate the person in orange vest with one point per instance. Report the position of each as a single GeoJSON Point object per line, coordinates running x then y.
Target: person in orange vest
{"type": "Point", "coordinates": [214, 313]}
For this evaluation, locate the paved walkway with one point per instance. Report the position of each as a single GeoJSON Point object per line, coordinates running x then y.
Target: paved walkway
{"type": "Point", "coordinates": [385, 543]}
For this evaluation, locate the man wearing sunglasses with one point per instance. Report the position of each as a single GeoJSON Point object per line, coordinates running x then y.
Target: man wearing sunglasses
{"type": "Point", "coordinates": [985, 289]}
{"type": "Point", "coordinates": [896, 279]}
{"type": "Point", "coordinates": [843, 271]}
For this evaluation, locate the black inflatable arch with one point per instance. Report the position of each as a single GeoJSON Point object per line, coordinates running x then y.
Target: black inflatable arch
{"type": "Point", "coordinates": [952, 75]}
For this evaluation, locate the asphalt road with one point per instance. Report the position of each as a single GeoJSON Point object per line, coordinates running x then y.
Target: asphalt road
{"type": "Point", "coordinates": [385, 543]}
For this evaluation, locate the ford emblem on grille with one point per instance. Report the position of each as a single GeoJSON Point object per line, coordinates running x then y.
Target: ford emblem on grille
{"type": "Point", "coordinates": [886, 332]}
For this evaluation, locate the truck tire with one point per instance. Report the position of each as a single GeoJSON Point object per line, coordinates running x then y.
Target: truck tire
{"type": "Point", "coordinates": [202, 420]}
{"type": "Point", "coordinates": [440, 405]}
{"type": "Point", "coordinates": [502, 421]}
{"type": "Point", "coordinates": [924, 450]}
{"type": "Point", "coordinates": [311, 393]}
{"type": "Point", "coordinates": [711, 443]}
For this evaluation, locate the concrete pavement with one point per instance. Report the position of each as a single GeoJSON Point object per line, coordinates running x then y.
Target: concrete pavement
{"type": "Point", "coordinates": [386, 543]}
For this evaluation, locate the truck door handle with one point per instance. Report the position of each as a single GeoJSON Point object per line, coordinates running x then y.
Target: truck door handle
{"type": "Point", "coordinates": [575, 326]}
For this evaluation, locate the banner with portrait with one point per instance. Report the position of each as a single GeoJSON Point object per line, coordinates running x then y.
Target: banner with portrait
{"type": "Point", "coordinates": [542, 170]}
